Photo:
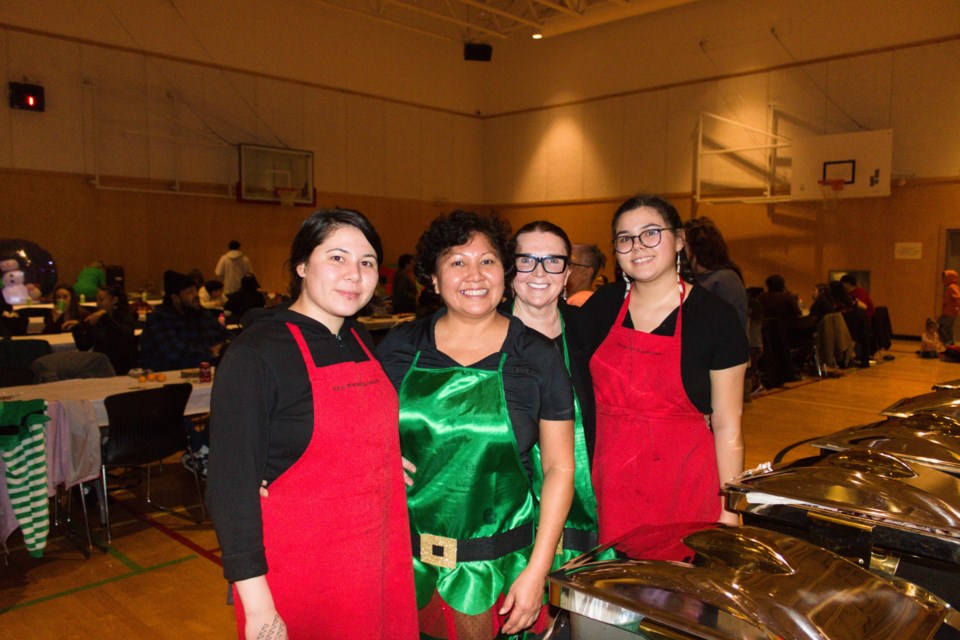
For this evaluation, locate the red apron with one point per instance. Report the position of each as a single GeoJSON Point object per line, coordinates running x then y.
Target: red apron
{"type": "Point", "coordinates": [655, 460]}
{"type": "Point", "coordinates": [335, 526]}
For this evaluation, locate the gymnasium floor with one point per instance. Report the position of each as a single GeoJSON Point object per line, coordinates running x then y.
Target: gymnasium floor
{"type": "Point", "coordinates": [161, 578]}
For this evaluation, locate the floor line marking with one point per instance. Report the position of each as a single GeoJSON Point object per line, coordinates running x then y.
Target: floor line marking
{"type": "Point", "coordinates": [164, 529]}
{"type": "Point", "coordinates": [99, 583]}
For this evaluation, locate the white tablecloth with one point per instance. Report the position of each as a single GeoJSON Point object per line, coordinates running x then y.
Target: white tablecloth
{"type": "Point", "coordinates": [58, 341]}
{"type": "Point", "coordinates": [76, 412]}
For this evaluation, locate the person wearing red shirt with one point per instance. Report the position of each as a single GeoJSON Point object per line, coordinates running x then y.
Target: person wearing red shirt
{"type": "Point", "coordinates": [859, 294]}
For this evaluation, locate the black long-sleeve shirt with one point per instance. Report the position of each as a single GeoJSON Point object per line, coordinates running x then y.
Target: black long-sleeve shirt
{"type": "Point", "coordinates": [261, 423]}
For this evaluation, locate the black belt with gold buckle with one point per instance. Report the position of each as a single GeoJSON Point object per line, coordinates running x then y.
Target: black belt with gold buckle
{"type": "Point", "coordinates": [447, 552]}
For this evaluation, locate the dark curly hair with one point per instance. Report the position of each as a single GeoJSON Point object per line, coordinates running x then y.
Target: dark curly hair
{"type": "Point", "coordinates": [671, 220]}
{"type": "Point", "coordinates": [457, 228]}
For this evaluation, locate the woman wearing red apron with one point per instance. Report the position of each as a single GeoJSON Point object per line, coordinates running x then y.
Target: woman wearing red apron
{"type": "Point", "coordinates": [667, 374]}
{"type": "Point", "coordinates": [305, 481]}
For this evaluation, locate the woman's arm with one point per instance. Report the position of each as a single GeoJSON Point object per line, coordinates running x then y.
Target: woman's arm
{"type": "Point", "coordinates": [262, 620]}
{"type": "Point", "coordinates": [526, 594]}
{"type": "Point", "coordinates": [726, 388]}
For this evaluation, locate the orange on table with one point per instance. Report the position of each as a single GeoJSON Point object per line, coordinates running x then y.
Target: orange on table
{"type": "Point", "coordinates": [142, 379]}
{"type": "Point", "coordinates": [161, 377]}
{"type": "Point", "coordinates": [151, 376]}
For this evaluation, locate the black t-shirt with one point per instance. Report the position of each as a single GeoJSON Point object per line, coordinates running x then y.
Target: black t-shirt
{"type": "Point", "coordinates": [262, 421]}
{"type": "Point", "coordinates": [535, 382]}
{"type": "Point", "coordinates": [712, 337]}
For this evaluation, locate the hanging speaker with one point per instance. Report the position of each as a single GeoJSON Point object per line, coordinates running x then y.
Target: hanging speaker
{"type": "Point", "coordinates": [477, 51]}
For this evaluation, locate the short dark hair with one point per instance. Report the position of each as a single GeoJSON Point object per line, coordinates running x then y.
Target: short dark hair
{"type": "Point", "coordinates": [776, 283]}
{"type": "Point", "coordinates": [849, 278]}
{"type": "Point", "coordinates": [404, 260]}
{"type": "Point", "coordinates": [543, 226]}
{"type": "Point", "coordinates": [667, 212]}
{"type": "Point", "coordinates": [212, 285]}
{"type": "Point", "coordinates": [457, 228]}
{"type": "Point", "coordinates": [249, 282]}
{"type": "Point", "coordinates": [316, 228]}
{"type": "Point", "coordinates": [233, 245]}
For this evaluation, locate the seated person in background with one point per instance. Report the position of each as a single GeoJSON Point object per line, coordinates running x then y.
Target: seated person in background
{"type": "Point", "coordinates": [856, 318]}
{"type": "Point", "coordinates": [823, 301]}
{"type": "Point", "coordinates": [586, 261]}
{"type": "Point", "coordinates": [777, 301]}
{"type": "Point", "coordinates": [90, 279]}
{"type": "Point", "coordinates": [211, 295]}
{"type": "Point", "coordinates": [858, 295]}
{"type": "Point", "coordinates": [930, 343]}
{"type": "Point", "coordinates": [109, 330]}
{"type": "Point", "coordinates": [247, 297]}
{"type": "Point", "coordinates": [404, 297]}
{"type": "Point", "coordinates": [67, 312]}
{"type": "Point", "coordinates": [180, 334]}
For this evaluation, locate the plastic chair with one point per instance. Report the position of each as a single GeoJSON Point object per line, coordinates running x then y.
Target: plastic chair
{"type": "Point", "coordinates": [144, 428]}
{"type": "Point", "coordinates": [803, 341]}
{"type": "Point", "coordinates": [15, 376]}
{"type": "Point", "coordinates": [20, 354]}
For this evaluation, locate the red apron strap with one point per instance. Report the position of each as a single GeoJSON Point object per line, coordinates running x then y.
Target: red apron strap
{"type": "Point", "coordinates": [362, 345]}
{"type": "Point", "coordinates": [302, 343]}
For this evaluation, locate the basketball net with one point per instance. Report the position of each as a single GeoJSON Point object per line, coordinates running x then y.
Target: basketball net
{"type": "Point", "coordinates": [287, 195]}
{"type": "Point", "coordinates": [831, 192]}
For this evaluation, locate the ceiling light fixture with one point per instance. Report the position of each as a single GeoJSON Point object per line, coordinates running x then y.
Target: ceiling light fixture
{"type": "Point", "coordinates": [537, 36]}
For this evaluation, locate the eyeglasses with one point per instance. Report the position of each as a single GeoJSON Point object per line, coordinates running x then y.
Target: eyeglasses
{"type": "Point", "coordinates": [578, 264]}
{"type": "Point", "coordinates": [527, 262]}
{"type": "Point", "coordinates": [648, 238]}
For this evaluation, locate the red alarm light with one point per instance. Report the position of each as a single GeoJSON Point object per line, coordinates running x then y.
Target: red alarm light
{"type": "Point", "coordinates": [28, 97]}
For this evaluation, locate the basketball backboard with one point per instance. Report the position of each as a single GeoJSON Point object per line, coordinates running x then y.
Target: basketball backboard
{"type": "Point", "coordinates": [862, 160]}
{"type": "Point", "coordinates": [268, 174]}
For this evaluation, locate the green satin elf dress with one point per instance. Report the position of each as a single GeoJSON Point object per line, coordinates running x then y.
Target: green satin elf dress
{"type": "Point", "coordinates": [470, 486]}
{"type": "Point", "coordinates": [580, 529]}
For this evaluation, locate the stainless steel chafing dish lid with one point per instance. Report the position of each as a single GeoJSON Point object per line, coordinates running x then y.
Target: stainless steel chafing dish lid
{"type": "Point", "coordinates": [858, 484]}
{"type": "Point", "coordinates": [944, 399]}
{"type": "Point", "coordinates": [946, 386]}
{"type": "Point", "coordinates": [930, 439]}
{"type": "Point", "coordinates": [742, 584]}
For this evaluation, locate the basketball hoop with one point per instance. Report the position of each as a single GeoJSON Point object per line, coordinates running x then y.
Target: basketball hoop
{"type": "Point", "coordinates": [831, 191]}
{"type": "Point", "coordinates": [287, 195]}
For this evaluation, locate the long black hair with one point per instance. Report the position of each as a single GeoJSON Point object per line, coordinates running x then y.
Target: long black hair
{"type": "Point", "coordinates": [317, 228]}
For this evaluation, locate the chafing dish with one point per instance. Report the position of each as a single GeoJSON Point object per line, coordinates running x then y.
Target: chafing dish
{"type": "Point", "coordinates": [882, 511]}
{"type": "Point", "coordinates": [928, 438]}
{"type": "Point", "coordinates": [945, 400]}
{"type": "Point", "coordinates": [735, 584]}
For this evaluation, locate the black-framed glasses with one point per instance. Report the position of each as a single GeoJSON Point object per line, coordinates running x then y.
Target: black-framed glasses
{"type": "Point", "coordinates": [648, 238]}
{"type": "Point", "coordinates": [527, 262]}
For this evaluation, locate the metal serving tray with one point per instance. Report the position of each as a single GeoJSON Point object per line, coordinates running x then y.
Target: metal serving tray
{"type": "Point", "coordinates": [928, 438]}
{"type": "Point", "coordinates": [735, 584]}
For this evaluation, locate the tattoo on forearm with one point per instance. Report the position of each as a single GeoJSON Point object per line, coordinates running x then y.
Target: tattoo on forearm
{"type": "Point", "coordinates": [276, 629]}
